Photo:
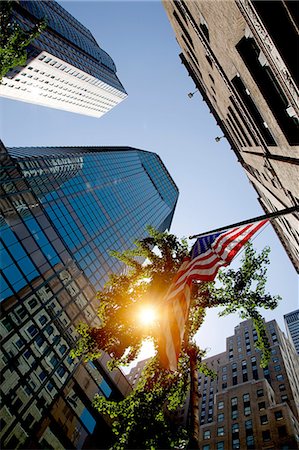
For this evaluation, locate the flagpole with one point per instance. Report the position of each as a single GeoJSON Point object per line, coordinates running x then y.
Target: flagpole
{"type": "Point", "coordinates": [272, 215]}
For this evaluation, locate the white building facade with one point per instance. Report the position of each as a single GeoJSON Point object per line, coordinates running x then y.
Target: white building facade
{"type": "Point", "coordinates": [65, 69]}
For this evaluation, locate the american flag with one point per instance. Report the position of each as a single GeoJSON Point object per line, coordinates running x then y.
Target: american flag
{"type": "Point", "coordinates": [208, 254]}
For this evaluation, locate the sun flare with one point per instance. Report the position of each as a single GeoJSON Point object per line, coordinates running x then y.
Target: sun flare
{"type": "Point", "coordinates": [147, 316]}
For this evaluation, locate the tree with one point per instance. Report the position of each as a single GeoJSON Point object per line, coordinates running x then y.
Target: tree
{"type": "Point", "coordinates": [14, 40]}
{"type": "Point", "coordinates": [141, 420]}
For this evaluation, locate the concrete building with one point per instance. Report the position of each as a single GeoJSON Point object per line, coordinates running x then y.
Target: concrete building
{"type": "Point", "coordinates": [136, 371]}
{"type": "Point", "coordinates": [62, 210]}
{"type": "Point", "coordinates": [247, 407]}
{"type": "Point", "coordinates": [65, 68]}
{"type": "Point", "coordinates": [242, 59]}
{"type": "Point", "coordinates": [292, 326]}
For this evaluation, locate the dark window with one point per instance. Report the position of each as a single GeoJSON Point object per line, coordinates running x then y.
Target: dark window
{"type": "Point", "coordinates": [7, 323]}
{"type": "Point", "coordinates": [260, 392]}
{"type": "Point", "coordinates": [282, 387]}
{"type": "Point", "coordinates": [255, 374]}
{"type": "Point", "coordinates": [250, 442]}
{"type": "Point", "coordinates": [61, 371]}
{"type": "Point", "coordinates": [264, 419]}
{"type": "Point", "coordinates": [209, 60]}
{"type": "Point", "coordinates": [266, 435]}
{"type": "Point", "coordinates": [278, 415]}
{"type": "Point", "coordinates": [43, 319]}
{"type": "Point", "coordinates": [236, 443]}
{"type": "Point", "coordinates": [282, 431]}
{"type": "Point", "coordinates": [270, 89]}
{"type": "Point", "coordinates": [205, 31]}
{"type": "Point", "coordinates": [39, 340]}
{"type": "Point", "coordinates": [32, 330]}
{"type": "Point", "coordinates": [253, 111]}
{"type": "Point", "coordinates": [235, 381]}
{"type": "Point", "coordinates": [261, 405]}
{"type": "Point", "coordinates": [279, 20]}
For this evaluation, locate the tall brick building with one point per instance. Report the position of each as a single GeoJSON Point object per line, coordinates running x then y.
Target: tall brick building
{"type": "Point", "coordinates": [241, 56]}
{"type": "Point", "coordinates": [247, 407]}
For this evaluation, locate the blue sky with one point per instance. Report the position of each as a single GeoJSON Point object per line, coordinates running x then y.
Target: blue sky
{"type": "Point", "coordinates": [159, 116]}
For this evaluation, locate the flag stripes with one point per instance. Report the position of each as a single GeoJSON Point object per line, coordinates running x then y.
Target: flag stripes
{"type": "Point", "coordinates": [221, 248]}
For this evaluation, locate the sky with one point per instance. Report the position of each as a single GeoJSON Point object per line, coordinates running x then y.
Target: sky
{"type": "Point", "coordinates": [159, 116]}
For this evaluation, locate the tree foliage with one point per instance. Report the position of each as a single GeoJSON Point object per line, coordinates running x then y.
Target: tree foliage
{"type": "Point", "coordinates": [142, 419]}
{"type": "Point", "coordinates": [14, 40]}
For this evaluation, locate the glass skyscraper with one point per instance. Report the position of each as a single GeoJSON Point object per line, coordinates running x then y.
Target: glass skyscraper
{"type": "Point", "coordinates": [62, 210]}
{"type": "Point", "coordinates": [65, 69]}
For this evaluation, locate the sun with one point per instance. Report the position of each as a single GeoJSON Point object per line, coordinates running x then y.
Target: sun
{"type": "Point", "coordinates": [147, 315]}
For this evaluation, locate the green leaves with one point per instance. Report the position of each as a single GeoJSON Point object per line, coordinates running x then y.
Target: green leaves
{"type": "Point", "coordinates": [14, 40]}
{"type": "Point", "coordinates": [142, 420]}
{"type": "Point", "coordinates": [243, 291]}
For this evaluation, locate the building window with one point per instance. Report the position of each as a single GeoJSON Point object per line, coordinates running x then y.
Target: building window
{"type": "Point", "coordinates": [279, 377]}
{"type": "Point", "coordinates": [220, 431]}
{"type": "Point", "coordinates": [266, 435]}
{"type": "Point", "coordinates": [235, 381]}
{"type": "Point", "coordinates": [62, 349]}
{"type": "Point", "coordinates": [43, 319]}
{"type": "Point", "coordinates": [32, 330]}
{"type": "Point", "coordinates": [42, 375]}
{"type": "Point", "coordinates": [61, 371]}
{"type": "Point", "coordinates": [277, 368]}
{"type": "Point", "coordinates": [246, 398]}
{"type": "Point", "coordinates": [234, 401]}
{"type": "Point", "coordinates": [207, 434]}
{"type": "Point", "coordinates": [206, 447]}
{"type": "Point", "coordinates": [284, 398]}
{"type": "Point", "coordinates": [261, 406]}
{"type": "Point", "coordinates": [220, 417]}
{"type": "Point", "coordinates": [260, 392]}
{"type": "Point", "coordinates": [264, 419]}
{"type": "Point", "coordinates": [39, 340]}
{"type": "Point", "coordinates": [220, 405]}
{"type": "Point", "coordinates": [282, 387]}
{"type": "Point", "coordinates": [235, 428]}
{"type": "Point", "coordinates": [278, 415]}
{"type": "Point", "coordinates": [250, 442]}
{"type": "Point", "coordinates": [248, 424]}
{"type": "Point", "coordinates": [220, 445]}
{"type": "Point", "coordinates": [282, 431]}
{"type": "Point", "coordinates": [234, 415]}
{"type": "Point", "coordinates": [236, 443]}
{"type": "Point", "coordinates": [247, 411]}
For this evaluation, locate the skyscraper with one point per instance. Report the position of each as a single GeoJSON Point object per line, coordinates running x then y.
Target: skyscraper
{"type": "Point", "coordinates": [246, 406]}
{"type": "Point", "coordinates": [291, 321]}
{"type": "Point", "coordinates": [65, 68]}
{"type": "Point", "coordinates": [242, 59]}
{"type": "Point", "coordinates": [62, 210]}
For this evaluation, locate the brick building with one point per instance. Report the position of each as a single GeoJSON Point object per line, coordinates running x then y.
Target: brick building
{"type": "Point", "coordinates": [247, 407]}
{"type": "Point", "coordinates": [242, 59]}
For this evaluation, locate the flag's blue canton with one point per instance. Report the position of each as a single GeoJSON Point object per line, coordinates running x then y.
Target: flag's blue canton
{"type": "Point", "coordinates": [203, 244]}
